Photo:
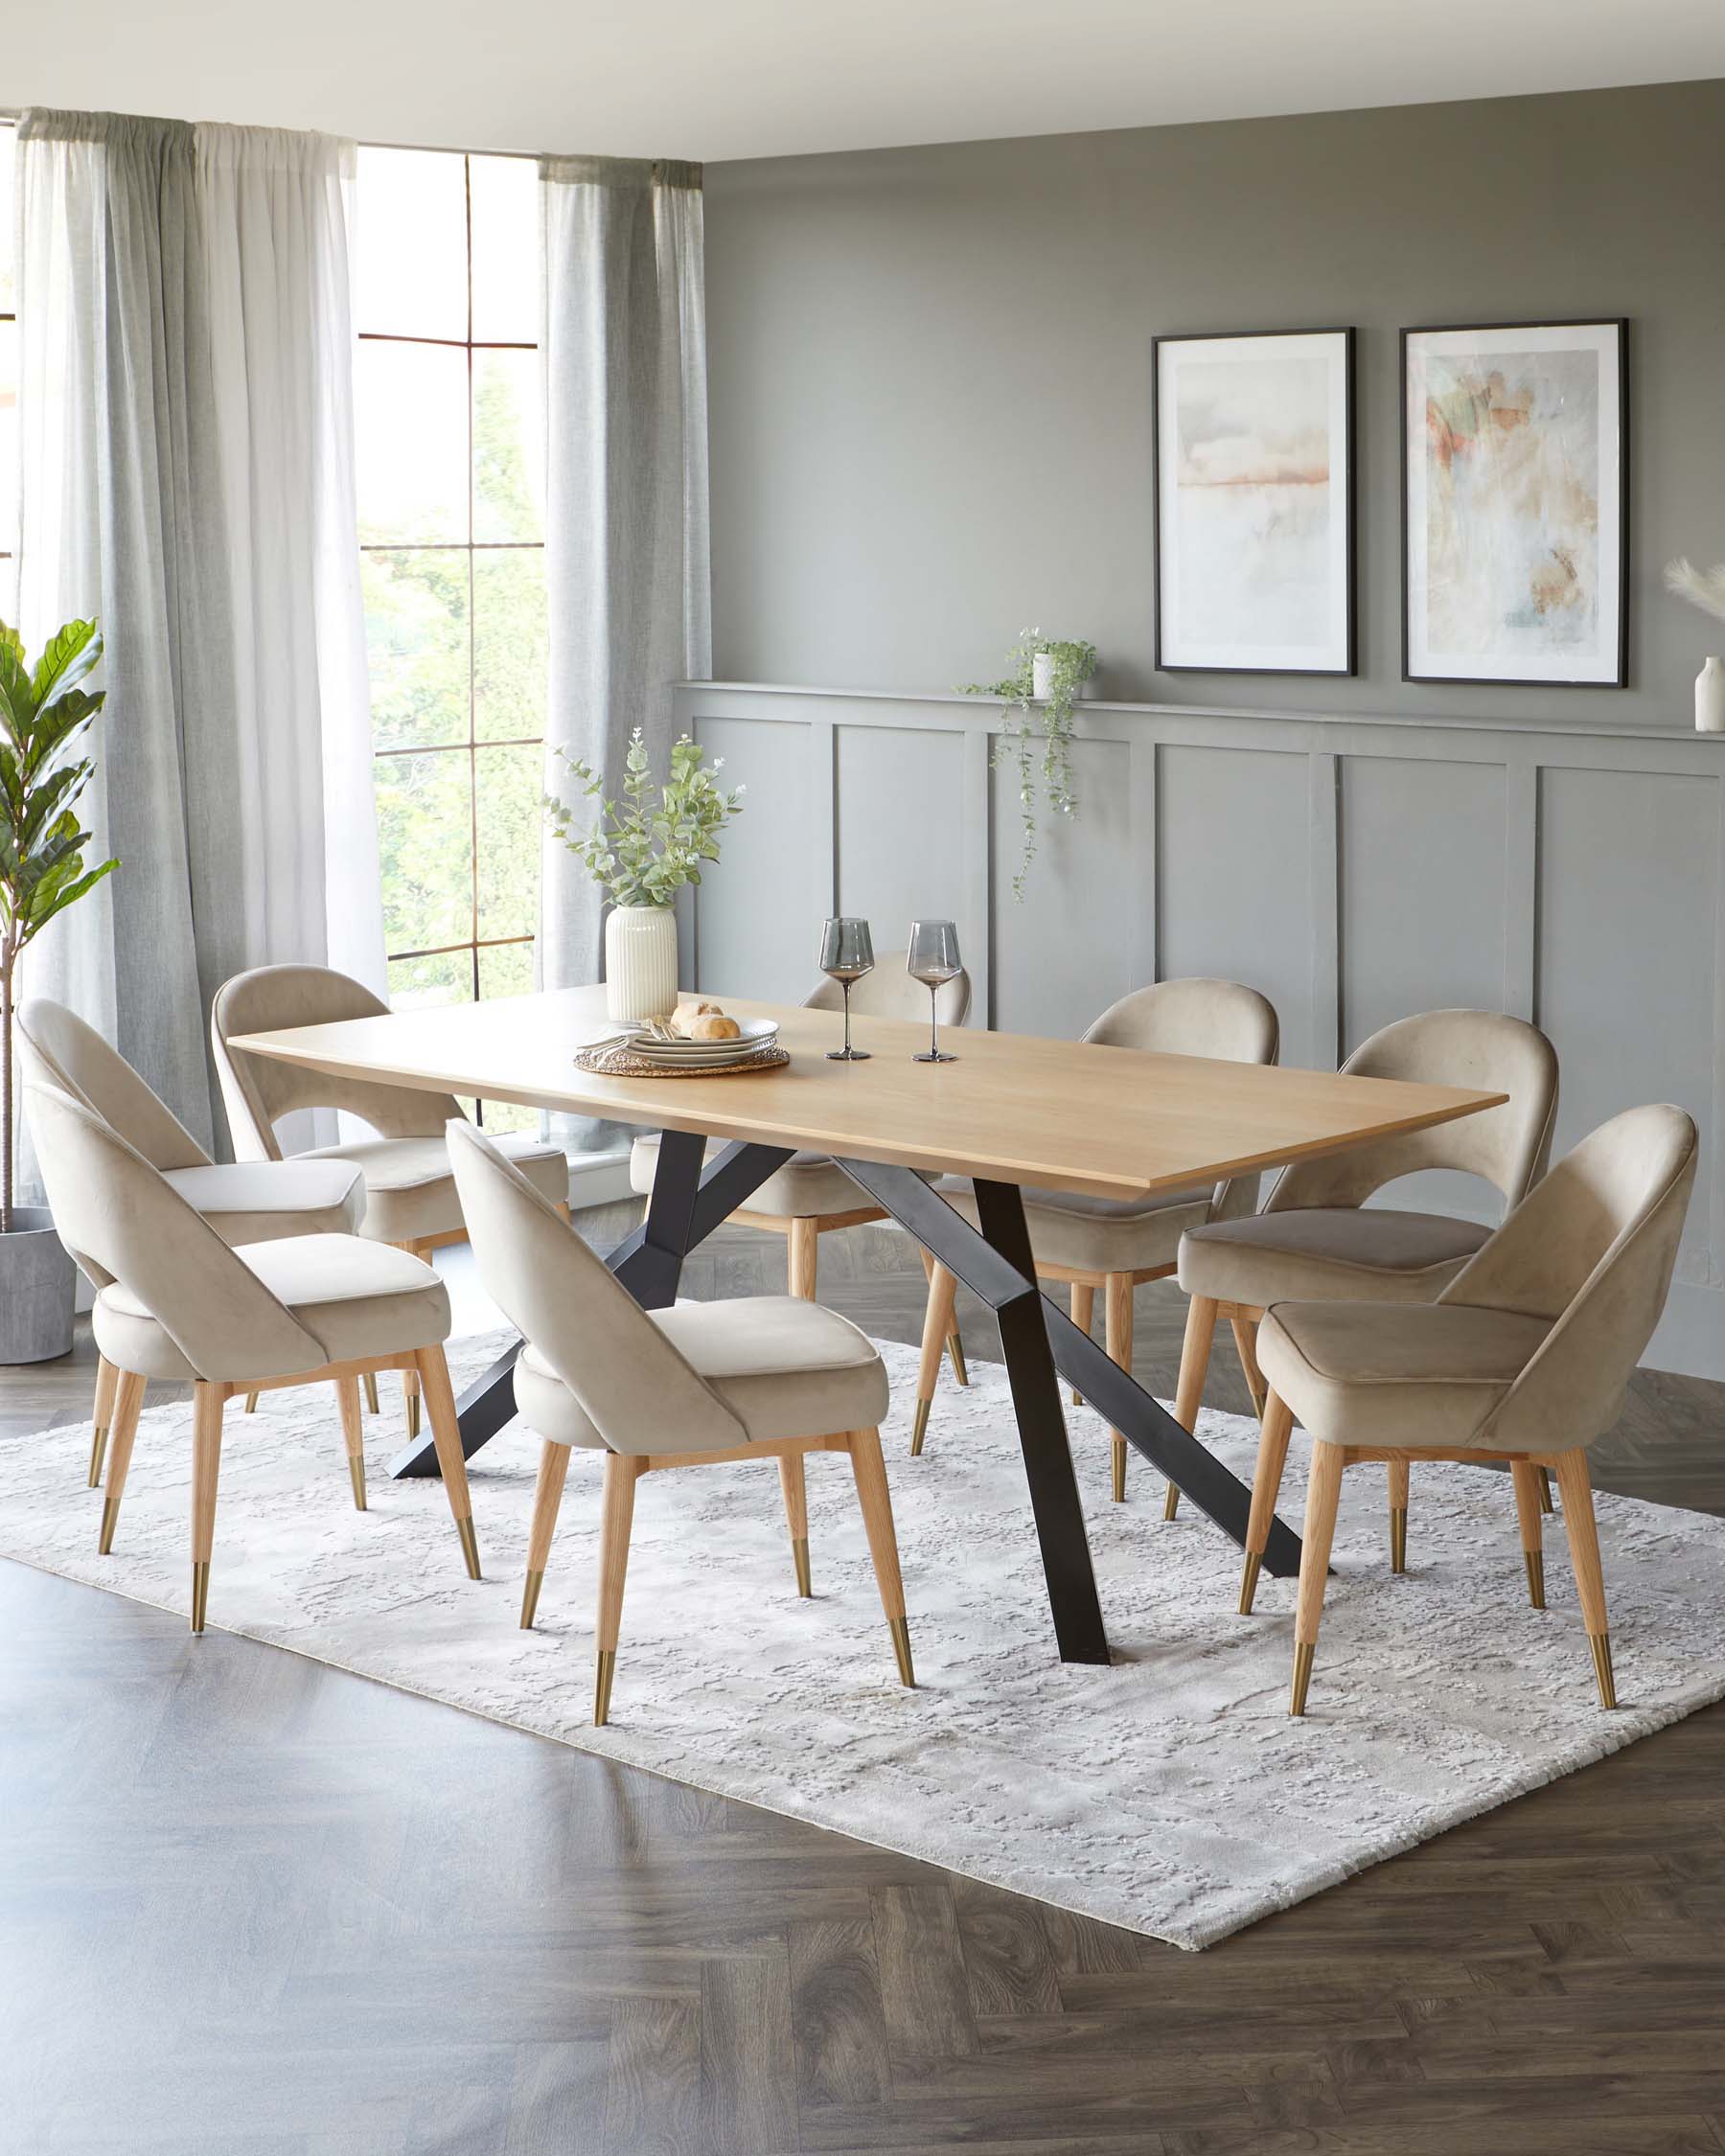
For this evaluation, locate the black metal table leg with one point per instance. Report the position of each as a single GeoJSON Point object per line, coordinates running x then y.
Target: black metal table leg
{"type": "Point", "coordinates": [688, 1203]}
{"type": "Point", "coordinates": [996, 1265]}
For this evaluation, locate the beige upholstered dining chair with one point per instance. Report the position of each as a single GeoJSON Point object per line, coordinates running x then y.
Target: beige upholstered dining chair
{"type": "Point", "coordinates": [180, 1304]}
{"type": "Point", "coordinates": [765, 1377]}
{"type": "Point", "coordinates": [811, 1195]}
{"type": "Point", "coordinates": [1115, 1244]}
{"type": "Point", "coordinates": [1523, 1357]}
{"type": "Point", "coordinates": [1317, 1237]}
{"type": "Point", "coordinates": [246, 1202]}
{"type": "Point", "coordinates": [410, 1196]}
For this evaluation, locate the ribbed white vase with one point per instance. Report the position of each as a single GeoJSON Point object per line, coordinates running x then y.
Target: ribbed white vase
{"type": "Point", "coordinates": [640, 961]}
{"type": "Point", "coordinates": [1709, 698]}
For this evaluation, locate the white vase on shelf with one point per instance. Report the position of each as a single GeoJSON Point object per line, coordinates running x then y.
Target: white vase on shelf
{"type": "Point", "coordinates": [1710, 698]}
{"type": "Point", "coordinates": [1041, 680]}
{"type": "Point", "coordinates": [640, 962]}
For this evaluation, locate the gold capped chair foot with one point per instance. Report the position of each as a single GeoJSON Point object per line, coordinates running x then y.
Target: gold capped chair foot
{"type": "Point", "coordinates": [956, 1349]}
{"type": "Point", "coordinates": [97, 1452]}
{"type": "Point", "coordinates": [1119, 1470]}
{"type": "Point", "coordinates": [1601, 1644]}
{"type": "Point", "coordinates": [1534, 1561]}
{"type": "Point", "coordinates": [1304, 1652]}
{"type": "Point", "coordinates": [1546, 1504]}
{"type": "Point", "coordinates": [1249, 1579]}
{"type": "Point", "coordinates": [200, 1594]}
{"type": "Point", "coordinates": [1077, 1397]}
{"type": "Point", "coordinates": [356, 1476]}
{"type": "Point", "coordinates": [110, 1516]}
{"type": "Point", "coordinates": [470, 1545]}
{"type": "Point", "coordinates": [901, 1648]}
{"type": "Point", "coordinates": [1171, 1502]}
{"type": "Point", "coordinates": [369, 1382]}
{"type": "Point", "coordinates": [921, 1429]}
{"type": "Point", "coordinates": [601, 1685]}
{"type": "Point", "coordinates": [1398, 1538]}
{"type": "Point", "coordinates": [530, 1595]}
{"type": "Point", "coordinates": [251, 1403]}
{"type": "Point", "coordinates": [799, 1557]}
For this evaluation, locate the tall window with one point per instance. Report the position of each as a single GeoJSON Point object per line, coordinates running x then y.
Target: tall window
{"type": "Point", "coordinates": [452, 525]}
{"type": "Point", "coordinates": [8, 385]}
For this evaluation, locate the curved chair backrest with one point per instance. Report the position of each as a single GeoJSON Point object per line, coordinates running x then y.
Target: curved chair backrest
{"type": "Point", "coordinates": [1593, 1247]}
{"type": "Point", "coordinates": [259, 1091]}
{"type": "Point", "coordinates": [1198, 1017]}
{"type": "Point", "coordinates": [1508, 1146]}
{"type": "Point", "coordinates": [109, 1201]}
{"type": "Point", "coordinates": [61, 1049]}
{"type": "Point", "coordinates": [637, 1391]}
{"type": "Point", "coordinates": [889, 993]}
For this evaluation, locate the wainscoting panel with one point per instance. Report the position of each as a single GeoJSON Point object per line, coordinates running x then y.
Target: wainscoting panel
{"type": "Point", "coordinates": [1355, 869]}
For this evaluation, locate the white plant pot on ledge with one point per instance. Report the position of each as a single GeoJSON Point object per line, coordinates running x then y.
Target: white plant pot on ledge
{"type": "Point", "coordinates": [1709, 698]}
{"type": "Point", "coordinates": [640, 962]}
{"type": "Point", "coordinates": [1041, 680]}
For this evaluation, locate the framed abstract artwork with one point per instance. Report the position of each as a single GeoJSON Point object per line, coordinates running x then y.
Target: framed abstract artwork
{"type": "Point", "coordinates": [1515, 503]}
{"type": "Point", "coordinates": [1254, 502]}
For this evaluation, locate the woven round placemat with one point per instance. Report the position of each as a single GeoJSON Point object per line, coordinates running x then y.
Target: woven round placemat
{"type": "Point", "coordinates": [621, 1063]}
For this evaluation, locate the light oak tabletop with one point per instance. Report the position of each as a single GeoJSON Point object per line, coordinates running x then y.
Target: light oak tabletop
{"type": "Point", "coordinates": [1108, 1122]}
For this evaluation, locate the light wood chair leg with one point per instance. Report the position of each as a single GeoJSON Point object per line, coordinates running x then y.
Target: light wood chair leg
{"type": "Point", "coordinates": [1194, 1368]}
{"type": "Point", "coordinates": [446, 1437]}
{"type": "Point", "coordinates": [1576, 1488]}
{"type": "Point", "coordinates": [938, 1323]}
{"type": "Point", "coordinates": [797, 1516]}
{"type": "Point", "coordinates": [875, 1501]}
{"type": "Point", "coordinates": [1117, 1300]}
{"type": "Point", "coordinates": [955, 1343]}
{"type": "Point", "coordinates": [615, 1519]}
{"type": "Point", "coordinates": [1245, 1337]}
{"type": "Point", "coordinates": [129, 1400]}
{"type": "Point", "coordinates": [1266, 1487]}
{"type": "Point", "coordinates": [353, 1432]}
{"type": "Point", "coordinates": [1398, 1515]}
{"type": "Point", "coordinates": [101, 1415]}
{"type": "Point", "coordinates": [1084, 1312]}
{"type": "Point", "coordinates": [251, 1403]}
{"type": "Point", "coordinates": [547, 1498]}
{"type": "Point", "coordinates": [1323, 1493]}
{"type": "Point", "coordinates": [206, 1465]}
{"type": "Point", "coordinates": [410, 1396]}
{"type": "Point", "coordinates": [1545, 1490]}
{"type": "Point", "coordinates": [370, 1382]}
{"type": "Point", "coordinates": [1530, 1517]}
{"type": "Point", "coordinates": [803, 1244]}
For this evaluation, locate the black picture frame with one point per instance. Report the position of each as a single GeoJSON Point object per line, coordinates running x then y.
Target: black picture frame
{"type": "Point", "coordinates": [1619, 324]}
{"type": "Point", "coordinates": [1349, 494]}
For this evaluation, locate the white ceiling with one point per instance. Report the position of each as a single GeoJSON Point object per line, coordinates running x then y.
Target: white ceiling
{"type": "Point", "coordinates": [721, 78]}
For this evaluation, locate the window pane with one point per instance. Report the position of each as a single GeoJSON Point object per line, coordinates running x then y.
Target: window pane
{"type": "Point", "coordinates": [510, 789]}
{"type": "Point", "coordinates": [8, 434]}
{"type": "Point", "coordinates": [506, 969]}
{"type": "Point", "coordinates": [411, 441]}
{"type": "Point", "coordinates": [414, 983]}
{"type": "Point", "coordinates": [506, 265]}
{"type": "Point", "coordinates": [426, 843]}
{"type": "Point", "coordinates": [416, 645]}
{"type": "Point", "coordinates": [509, 645]}
{"type": "Point", "coordinates": [411, 280]}
{"type": "Point", "coordinates": [508, 447]}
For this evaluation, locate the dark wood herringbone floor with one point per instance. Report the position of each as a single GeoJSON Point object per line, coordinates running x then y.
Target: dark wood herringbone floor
{"type": "Point", "coordinates": [253, 1906]}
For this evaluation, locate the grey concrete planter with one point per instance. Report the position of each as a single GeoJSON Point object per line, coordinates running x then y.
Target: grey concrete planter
{"type": "Point", "coordinates": [38, 1284]}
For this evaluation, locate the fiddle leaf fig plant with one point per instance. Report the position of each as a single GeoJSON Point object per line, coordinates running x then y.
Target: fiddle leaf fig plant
{"type": "Point", "coordinates": [44, 715]}
{"type": "Point", "coordinates": [640, 853]}
{"type": "Point", "coordinates": [1027, 719]}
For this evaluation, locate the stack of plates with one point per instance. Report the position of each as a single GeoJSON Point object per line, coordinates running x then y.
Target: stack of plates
{"type": "Point", "coordinates": [678, 1054]}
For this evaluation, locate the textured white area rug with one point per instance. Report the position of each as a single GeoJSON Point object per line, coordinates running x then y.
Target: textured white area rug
{"type": "Point", "coordinates": [1170, 1793]}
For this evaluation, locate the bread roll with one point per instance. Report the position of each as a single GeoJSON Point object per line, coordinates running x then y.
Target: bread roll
{"type": "Point", "coordinates": [714, 1025]}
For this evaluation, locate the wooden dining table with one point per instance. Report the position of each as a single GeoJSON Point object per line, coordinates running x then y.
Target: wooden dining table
{"type": "Point", "coordinates": [1010, 1112]}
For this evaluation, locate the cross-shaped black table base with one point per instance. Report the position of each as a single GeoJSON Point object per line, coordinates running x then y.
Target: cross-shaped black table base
{"type": "Point", "coordinates": [1037, 1338]}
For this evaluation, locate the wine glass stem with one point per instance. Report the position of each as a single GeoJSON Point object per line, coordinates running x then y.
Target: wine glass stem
{"type": "Point", "coordinates": [933, 1022]}
{"type": "Point", "coordinates": [846, 986]}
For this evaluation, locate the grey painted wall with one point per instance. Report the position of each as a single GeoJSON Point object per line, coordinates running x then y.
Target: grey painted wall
{"type": "Point", "coordinates": [930, 371]}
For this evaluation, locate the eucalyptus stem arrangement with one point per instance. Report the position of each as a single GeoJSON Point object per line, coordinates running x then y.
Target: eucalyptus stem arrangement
{"type": "Point", "coordinates": [1027, 717]}
{"type": "Point", "coordinates": [641, 852]}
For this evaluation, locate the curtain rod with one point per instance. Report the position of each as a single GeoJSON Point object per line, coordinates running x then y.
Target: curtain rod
{"type": "Point", "coordinates": [14, 112]}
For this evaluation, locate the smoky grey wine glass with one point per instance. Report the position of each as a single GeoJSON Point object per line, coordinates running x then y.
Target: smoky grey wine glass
{"type": "Point", "coordinates": [932, 959]}
{"type": "Point", "coordinates": [846, 955]}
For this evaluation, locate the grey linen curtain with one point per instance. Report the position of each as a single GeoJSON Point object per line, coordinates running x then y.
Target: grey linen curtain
{"type": "Point", "coordinates": [186, 479]}
{"type": "Point", "coordinates": [624, 347]}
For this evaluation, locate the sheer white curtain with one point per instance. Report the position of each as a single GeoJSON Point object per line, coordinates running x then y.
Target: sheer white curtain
{"type": "Point", "coordinates": [186, 410]}
{"type": "Point", "coordinates": [624, 350]}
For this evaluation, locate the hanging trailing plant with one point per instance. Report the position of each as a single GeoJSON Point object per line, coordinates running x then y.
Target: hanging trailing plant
{"type": "Point", "coordinates": [1036, 710]}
